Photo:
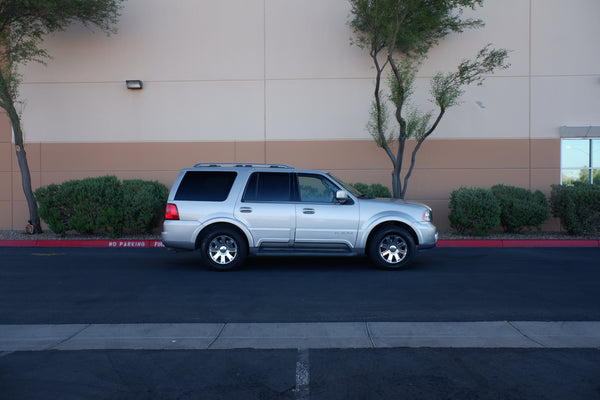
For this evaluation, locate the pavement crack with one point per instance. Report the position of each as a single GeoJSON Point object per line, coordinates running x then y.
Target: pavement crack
{"type": "Point", "coordinates": [524, 335]}
{"type": "Point", "coordinates": [54, 346]}
{"type": "Point", "coordinates": [369, 335]}
{"type": "Point", "coordinates": [217, 337]}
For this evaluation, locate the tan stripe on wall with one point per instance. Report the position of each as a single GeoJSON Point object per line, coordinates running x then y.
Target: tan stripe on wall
{"type": "Point", "coordinates": [442, 165]}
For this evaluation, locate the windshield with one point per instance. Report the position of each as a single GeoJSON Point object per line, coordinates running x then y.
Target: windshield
{"type": "Point", "coordinates": [350, 189]}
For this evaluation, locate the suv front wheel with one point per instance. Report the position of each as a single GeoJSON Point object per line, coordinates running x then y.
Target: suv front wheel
{"type": "Point", "coordinates": [391, 248]}
{"type": "Point", "coordinates": [223, 249]}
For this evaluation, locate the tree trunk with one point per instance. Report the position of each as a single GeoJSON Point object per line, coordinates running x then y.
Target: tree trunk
{"type": "Point", "coordinates": [381, 139]}
{"type": "Point", "coordinates": [34, 218]}
{"type": "Point", "coordinates": [396, 182]}
{"type": "Point", "coordinates": [413, 159]}
{"type": "Point", "coordinates": [9, 106]}
{"type": "Point", "coordinates": [398, 191]}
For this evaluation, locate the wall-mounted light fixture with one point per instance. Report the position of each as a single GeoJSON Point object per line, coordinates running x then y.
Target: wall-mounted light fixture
{"type": "Point", "coordinates": [134, 84]}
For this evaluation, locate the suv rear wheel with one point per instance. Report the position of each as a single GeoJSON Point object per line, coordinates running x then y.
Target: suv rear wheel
{"type": "Point", "coordinates": [223, 248]}
{"type": "Point", "coordinates": [391, 248]}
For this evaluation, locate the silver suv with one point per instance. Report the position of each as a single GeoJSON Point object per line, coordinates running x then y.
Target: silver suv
{"type": "Point", "coordinates": [228, 211]}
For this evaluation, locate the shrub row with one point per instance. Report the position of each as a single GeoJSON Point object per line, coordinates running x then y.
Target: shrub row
{"type": "Point", "coordinates": [102, 204]}
{"type": "Point", "coordinates": [479, 211]}
{"type": "Point", "coordinates": [474, 211]}
{"type": "Point", "coordinates": [373, 190]}
{"type": "Point", "coordinates": [521, 208]}
{"type": "Point", "coordinates": [578, 207]}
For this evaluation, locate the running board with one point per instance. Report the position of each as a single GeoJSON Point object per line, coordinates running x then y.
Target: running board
{"type": "Point", "coordinates": [305, 251]}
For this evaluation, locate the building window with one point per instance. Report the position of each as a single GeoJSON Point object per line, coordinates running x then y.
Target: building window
{"type": "Point", "coordinates": [580, 161]}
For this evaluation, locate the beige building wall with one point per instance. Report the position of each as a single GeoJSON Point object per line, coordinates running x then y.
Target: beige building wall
{"type": "Point", "coordinates": [277, 81]}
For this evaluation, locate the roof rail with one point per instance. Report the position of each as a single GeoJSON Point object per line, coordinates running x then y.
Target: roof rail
{"type": "Point", "coordinates": [245, 165]}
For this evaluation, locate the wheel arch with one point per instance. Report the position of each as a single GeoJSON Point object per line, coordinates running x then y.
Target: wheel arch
{"type": "Point", "coordinates": [389, 224]}
{"type": "Point", "coordinates": [220, 225]}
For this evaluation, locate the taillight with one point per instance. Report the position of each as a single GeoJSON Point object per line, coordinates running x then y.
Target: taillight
{"type": "Point", "coordinates": [171, 212]}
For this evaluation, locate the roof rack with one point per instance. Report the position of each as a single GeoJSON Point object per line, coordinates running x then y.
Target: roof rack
{"type": "Point", "coordinates": [243, 165]}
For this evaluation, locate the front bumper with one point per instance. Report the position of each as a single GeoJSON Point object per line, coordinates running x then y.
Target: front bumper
{"type": "Point", "coordinates": [428, 236]}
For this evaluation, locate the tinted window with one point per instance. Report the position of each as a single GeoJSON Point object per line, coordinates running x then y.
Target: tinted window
{"type": "Point", "coordinates": [315, 188]}
{"type": "Point", "coordinates": [268, 186]}
{"type": "Point", "coordinates": [205, 185]}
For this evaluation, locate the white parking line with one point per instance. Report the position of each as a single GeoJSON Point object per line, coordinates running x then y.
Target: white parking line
{"type": "Point", "coordinates": [302, 389]}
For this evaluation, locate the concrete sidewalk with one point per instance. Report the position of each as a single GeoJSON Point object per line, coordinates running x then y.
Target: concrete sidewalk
{"type": "Point", "coordinates": [492, 334]}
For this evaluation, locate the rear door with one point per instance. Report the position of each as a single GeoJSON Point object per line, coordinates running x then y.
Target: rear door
{"type": "Point", "coordinates": [267, 209]}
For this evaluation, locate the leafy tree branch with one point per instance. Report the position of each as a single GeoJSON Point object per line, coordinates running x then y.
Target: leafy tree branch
{"type": "Point", "coordinates": [23, 26]}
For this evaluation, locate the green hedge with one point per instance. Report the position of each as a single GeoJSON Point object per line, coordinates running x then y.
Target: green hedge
{"type": "Point", "coordinates": [143, 204]}
{"type": "Point", "coordinates": [373, 190]}
{"type": "Point", "coordinates": [520, 208]}
{"type": "Point", "coordinates": [578, 207]}
{"type": "Point", "coordinates": [474, 211]}
{"type": "Point", "coordinates": [102, 204]}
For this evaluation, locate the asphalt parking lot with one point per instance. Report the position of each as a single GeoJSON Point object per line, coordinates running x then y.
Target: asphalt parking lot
{"type": "Point", "coordinates": [537, 310]}
{"type": "Point", "coordinates": [399, 373]}
{"type": "Point", "coordinates": [75, 285]}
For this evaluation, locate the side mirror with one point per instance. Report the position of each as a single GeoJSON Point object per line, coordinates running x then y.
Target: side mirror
{"type": "Point", "coordinates": [342, 196]}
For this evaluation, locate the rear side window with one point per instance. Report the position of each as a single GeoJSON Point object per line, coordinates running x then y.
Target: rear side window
{"type": "Point", "coordinates": [205, 185]}
{"type": "Point", "coordinates": [268, 186]}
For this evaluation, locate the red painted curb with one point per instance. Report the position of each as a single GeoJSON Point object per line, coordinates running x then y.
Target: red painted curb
{"type": "Point", "coordinates": [469, 243]}
{"type": "Point", "coordinates": [552, 243]}
{"type": "Point", "coordinates": [83, 243]}
{"type": "Point", "coordinates": [490, 243]}
{"type": "Point", "coordinates": [518, 243]}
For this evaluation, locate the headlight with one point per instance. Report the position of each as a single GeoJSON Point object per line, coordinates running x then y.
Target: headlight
{"type": "Point", "coordinates": [427, 216]}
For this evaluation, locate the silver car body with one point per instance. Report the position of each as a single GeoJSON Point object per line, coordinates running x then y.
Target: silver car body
{"type": "Point", "coordinates": [295, 227]}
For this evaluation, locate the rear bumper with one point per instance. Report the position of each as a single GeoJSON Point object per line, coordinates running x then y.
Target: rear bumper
{"type": "Point", "coordinates": [179, 234]}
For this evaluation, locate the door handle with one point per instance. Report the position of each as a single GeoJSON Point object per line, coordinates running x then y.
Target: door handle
{"type": "Point", "coordinates": [308, 210]}
{"type": "Point", "coordinates": [246, 210]}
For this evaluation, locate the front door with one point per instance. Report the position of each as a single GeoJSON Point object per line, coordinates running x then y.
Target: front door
{"type": "Point", "coordinates": [321, 220]}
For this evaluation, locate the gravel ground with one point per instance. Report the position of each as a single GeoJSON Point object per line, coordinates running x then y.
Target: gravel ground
{"type": "Point", "coordinates": [444, 234]}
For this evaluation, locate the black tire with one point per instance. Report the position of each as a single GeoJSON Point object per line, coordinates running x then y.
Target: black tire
{"type": "Point", "coordinates": [223, 249]}
{"type": "Point", "coordinates": [392, 248]}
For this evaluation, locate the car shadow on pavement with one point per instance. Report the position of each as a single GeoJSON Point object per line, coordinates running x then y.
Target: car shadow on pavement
{"type": "Point", "coordinates": [190, 261]}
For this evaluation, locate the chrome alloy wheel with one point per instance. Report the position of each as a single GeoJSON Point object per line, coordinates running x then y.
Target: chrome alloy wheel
{"type": "Point", "coordinates": [223, 249]}
{"type": "Point", "coordinates": [393, 248]}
